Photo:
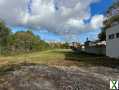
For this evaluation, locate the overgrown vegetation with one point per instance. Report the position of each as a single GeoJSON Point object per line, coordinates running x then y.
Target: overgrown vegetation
{"type": "Point", "coordinates": [19, 42]}
{"type": "Point", "coordinates": [102, 35]}
{"type": "Point", "coordinates": [23, 41]}
{"type": "Point", "coordinates": [59, 45]}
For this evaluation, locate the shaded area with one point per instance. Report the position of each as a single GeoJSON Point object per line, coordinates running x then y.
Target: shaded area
{"type": "Point", "coordinates": [85, 59]}
{"type": "Point", "coordinates": [92, 60]}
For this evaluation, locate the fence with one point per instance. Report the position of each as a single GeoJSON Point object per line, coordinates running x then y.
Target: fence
{"type": "Point", "coordinates": [99, 50]}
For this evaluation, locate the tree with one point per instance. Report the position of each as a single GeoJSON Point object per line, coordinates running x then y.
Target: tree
{"type": "Point", "coordinates": [65, 45]}
{"type": "Point", "coordinates": [4, 34]}
{"type": "Point", "coordinates": [102, 35]}
{"type": "Point", "coordinates": [114, 5]}
{"type": "Point", "coordinates": [26, 42]}
{"type": "Point", "coordinates": [22, 41]}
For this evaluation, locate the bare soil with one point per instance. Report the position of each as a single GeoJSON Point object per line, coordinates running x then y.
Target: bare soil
{"type": "Point", "coordinates": [44, 77]}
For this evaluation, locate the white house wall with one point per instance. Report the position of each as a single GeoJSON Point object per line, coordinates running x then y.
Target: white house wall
{"type": "Point", "coordinates": [112, 47]}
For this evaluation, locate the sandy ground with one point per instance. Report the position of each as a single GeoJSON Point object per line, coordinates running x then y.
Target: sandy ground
{"type": "Point", "coordinates": [43, 77]}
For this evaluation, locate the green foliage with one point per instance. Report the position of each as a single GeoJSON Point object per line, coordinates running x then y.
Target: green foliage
{"type": "Point", "coordinates": [59, 45]}
{"type": "Point", "coordinates": [65, 45]}
{"type": "Point", "coordinates": [19, 42]}
{"type": "Point", "coordinates": [4, 34]}
{"type": "Point", "coordinates": [102, 35]}
{"type": "Point", "coordinates": [114, 5]}
{"type": "Point", "coordinates": [23, 41]}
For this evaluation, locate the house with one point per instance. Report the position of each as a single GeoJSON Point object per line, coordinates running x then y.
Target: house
{"type": "Point", "coordinates": [112, 40]}
{"type": "Point", "coordinates": [111, 25]}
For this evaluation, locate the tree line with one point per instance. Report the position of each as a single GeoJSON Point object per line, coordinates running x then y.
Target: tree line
{"type": "Point", "coordinates": [23, 41]}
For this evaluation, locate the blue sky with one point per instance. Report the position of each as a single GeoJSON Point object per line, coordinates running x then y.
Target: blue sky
{"type": "Point", "coordinates": [101, 7]}
{"type": "Point", "coordinates": [96, 9]}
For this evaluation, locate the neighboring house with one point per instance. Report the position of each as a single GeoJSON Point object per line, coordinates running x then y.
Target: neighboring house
{"type": "Point", "coordinates": [111, 25]}
{"type": "Point", "coordinates": [112, 38]}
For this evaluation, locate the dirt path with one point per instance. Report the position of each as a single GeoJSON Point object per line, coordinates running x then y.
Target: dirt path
{"type": "Point", "coordinates": [43, 77]}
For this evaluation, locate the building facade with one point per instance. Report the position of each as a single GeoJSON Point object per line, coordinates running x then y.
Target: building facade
{"type": "Point", "coordinates": [112, 41]}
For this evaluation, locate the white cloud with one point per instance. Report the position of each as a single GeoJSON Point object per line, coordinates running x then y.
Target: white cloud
{"type": "Point", "coordinates": [13, 11]}
{"type": "Point", "coordinates": [96, 21]}
{"type": "Point", "coordinates": [76, 23]}
{"type": "Point", "coordinates": [59, 16]}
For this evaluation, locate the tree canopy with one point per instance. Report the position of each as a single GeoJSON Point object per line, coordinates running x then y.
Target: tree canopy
{"type": "Point", "coordinates": [19, 42]}
{"type": "Point", "coordinates": [4, 34]}
{"type": "Point", "coordinates": [102, 35]}
{"type": "Point", "coordinates": [23, 41]}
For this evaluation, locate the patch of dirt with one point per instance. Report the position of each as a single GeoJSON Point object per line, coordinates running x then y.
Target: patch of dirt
{"type": "Point", "coordinates": [43, 77]}
{"type": "Point", "coordinates": [3, 62]}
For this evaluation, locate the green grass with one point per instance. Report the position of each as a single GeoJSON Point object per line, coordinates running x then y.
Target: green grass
{"type": "Point", "coordinates": [61, 57]}
{"type": "Point", "coordinates": [43, 57]}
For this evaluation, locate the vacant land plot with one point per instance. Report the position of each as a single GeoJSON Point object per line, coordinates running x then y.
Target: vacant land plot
{"type": "Point", "coordinates": [60, 57]}
{"type": "Point", "coordinates": [58, 69]}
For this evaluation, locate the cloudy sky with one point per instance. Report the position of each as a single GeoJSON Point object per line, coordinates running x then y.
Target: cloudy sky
{"type": "Point", "coordinates": [58, 20]}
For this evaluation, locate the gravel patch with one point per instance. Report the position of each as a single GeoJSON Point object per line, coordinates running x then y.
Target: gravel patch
{"type": "Point", "coordinates": [43, 77]}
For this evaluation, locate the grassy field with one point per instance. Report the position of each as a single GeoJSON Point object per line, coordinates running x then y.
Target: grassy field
{"type": "Point", "coordinates": [35, 57]}
{"type": "Point", "coordinates": [56, 57]}
{"type": "Point", "coordinates": [85, 67]}
{"type": "Point", "coordinates": [60, 57]}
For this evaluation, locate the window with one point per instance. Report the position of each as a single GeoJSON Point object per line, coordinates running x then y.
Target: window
{"type": "Point", "coordinates": [111, 36]}
{"type": "Point", "coordinates": [117, 35]}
